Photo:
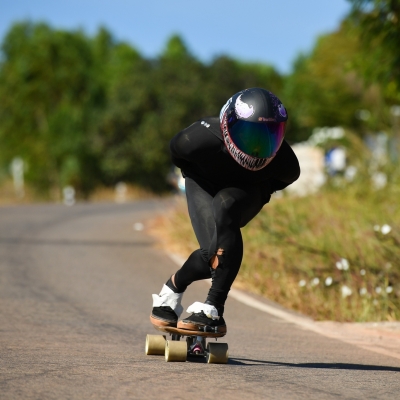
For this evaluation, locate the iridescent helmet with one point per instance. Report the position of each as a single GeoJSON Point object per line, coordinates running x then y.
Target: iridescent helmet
{"type": "Point", "coordinates": [253, 125]}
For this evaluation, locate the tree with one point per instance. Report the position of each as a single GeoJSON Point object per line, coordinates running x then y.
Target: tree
{"type": "Point", "coordinates": [47, 104]}
{"type": "Point", "coordinates": [327, 89]}
{"type": "Point", "coordinates": [84, 111]}
{"type": "Point", "coordinates": [378, 23]}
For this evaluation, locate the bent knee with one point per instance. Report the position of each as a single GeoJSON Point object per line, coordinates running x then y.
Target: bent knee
{"type": "Point", "coordinates": [223, 201]}
{"type": "Point", "coordinates": [226, 209]}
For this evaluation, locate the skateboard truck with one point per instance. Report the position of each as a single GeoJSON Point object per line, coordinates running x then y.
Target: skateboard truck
{"type": "Point", "coordinates": [196, 345]}
{"type": "Point", "coordinates": [207, 328]}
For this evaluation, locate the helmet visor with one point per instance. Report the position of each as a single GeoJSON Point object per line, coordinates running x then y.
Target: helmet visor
{"type": "Point", "coordinates": [257, 139]}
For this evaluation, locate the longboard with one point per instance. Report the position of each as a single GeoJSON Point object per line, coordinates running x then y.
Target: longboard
{"type": "Point", "coordinates": [194, 345]}
{"type": "Point", "coordinates": [186, 332]}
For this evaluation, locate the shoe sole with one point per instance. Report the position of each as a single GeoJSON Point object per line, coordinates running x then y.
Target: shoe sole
{"type": "Point", "coordinates": [162, 322]}
{"type": "Point", "coordinates": [192, 326]}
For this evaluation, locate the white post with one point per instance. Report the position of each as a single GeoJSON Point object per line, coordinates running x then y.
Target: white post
{"type": "Point", "coordinates": [121, 190]}
{"type": "Point", "coordinates": [17, 172]}
{"type": "Point", "coordinates": [69, 196]}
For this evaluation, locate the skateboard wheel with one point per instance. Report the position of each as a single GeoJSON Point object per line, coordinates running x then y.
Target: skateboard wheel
{"type": "Point", "coordinates": [175, 350]}
{"type": "Point", "coordinates": [155, 344]}
{"type": "Point", "coordinates": [217, 353]}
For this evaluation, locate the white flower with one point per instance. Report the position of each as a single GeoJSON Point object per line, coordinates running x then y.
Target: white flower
{"type": "Point", "coordinates": [385, 229]}
{"type": "Point", "coordinates": [378, 290]}
{"type": "Point", "coordinates": [302, 283]}
{"type": "Point", "coordinates": [342, 264]}
{"type": "Point", "coordinates": [346, 291]}
{"type": "Point", "coordinates": [389, 289]}
{"type": "Point", "coordinates": [328, 281]}
{"type": "Point", "coordinates": [362, 272]}
{"type": "Point", "coordinates": [315, 282]}
{"type": "Point", "coordinates": [363, 291]}
{"type": "Point", "coordinates": [345, 264]}
{"type": "Point", "coordinates": [350, 173]}
{"type": "Point", "coordinates": [379, 180]}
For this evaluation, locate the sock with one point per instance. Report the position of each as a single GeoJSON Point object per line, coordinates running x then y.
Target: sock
{"type": "Point", "coordinates": [220, 308]}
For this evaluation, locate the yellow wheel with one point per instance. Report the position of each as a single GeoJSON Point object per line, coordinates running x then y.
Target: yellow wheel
{"type": "Point", "coordinates": [155, 344]}
{"type": "Point", "coordinates": [175, 350]}
{"type": "Point", "coordinates": [217, 353]}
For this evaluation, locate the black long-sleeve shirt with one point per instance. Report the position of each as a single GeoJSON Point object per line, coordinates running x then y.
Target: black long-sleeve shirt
{"type": "Point", "coordinates": [199, 151]}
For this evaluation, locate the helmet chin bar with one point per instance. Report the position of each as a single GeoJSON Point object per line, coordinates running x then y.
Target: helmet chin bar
{"type": "Point", "coordinates": [243, 159]}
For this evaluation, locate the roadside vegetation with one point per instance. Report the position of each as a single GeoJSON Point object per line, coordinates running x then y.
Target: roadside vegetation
{"type": "Point", "coordinates": [91, 111]}
{"type": "Point", "coordinates": [334, 255]}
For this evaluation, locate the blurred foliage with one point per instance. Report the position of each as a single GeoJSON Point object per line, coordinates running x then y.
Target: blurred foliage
{"type": "Point", "coordinates": [378, 25]}
{"type": "Point", "coordinates": [87, 111]}
{"type": "Point", "coordinates": [327, 87]}
{"type": "Point", "coordinates": [92, 111]}
{"type": "Point", "coordinates": [49, 98]}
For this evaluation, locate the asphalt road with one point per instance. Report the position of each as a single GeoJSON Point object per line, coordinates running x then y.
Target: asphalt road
{"type": "Point", "coordinates": [75, 298]}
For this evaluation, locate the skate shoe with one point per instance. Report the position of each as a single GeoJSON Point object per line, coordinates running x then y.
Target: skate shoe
{"type": "Point", "coordinates": [166, 308]}
{"type": "Point", "coordinates": [204, 318]}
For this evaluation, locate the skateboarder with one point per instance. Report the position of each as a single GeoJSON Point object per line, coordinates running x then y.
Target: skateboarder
{"type": "Point", "coordinates": [232, 165]}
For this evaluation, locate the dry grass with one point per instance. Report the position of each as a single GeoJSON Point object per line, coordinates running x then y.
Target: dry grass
{"type": "Point", "coordinates": [106, 194]}
{"type": "Point", "coordinates": [8, 195]}
{"type": "Point", "coordinates": [294, 252]}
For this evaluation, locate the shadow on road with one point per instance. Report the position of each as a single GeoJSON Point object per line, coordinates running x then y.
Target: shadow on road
{"type": "Point", "coordinates": [359, 367]}
{"type": "Point", "coordinates": [40, 242]}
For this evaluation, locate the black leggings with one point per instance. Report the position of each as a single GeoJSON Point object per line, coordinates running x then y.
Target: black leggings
{"type": "Point", "coordinates": [217, 216]}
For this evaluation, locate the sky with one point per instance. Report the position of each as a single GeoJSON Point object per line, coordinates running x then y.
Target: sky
{"type": "Point", "coordinates": [266, 31]}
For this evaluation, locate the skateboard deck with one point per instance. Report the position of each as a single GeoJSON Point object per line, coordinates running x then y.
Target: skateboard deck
{"type": "Point", "coordinates": [194, 346]}
{"type": "Point", "coordinates": [186, 332]}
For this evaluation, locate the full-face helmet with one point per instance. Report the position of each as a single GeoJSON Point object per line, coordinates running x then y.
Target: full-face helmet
{"type": "Point", "coordinates": [253, 125]}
